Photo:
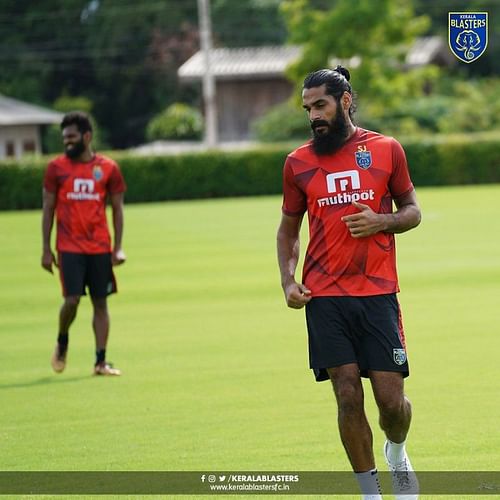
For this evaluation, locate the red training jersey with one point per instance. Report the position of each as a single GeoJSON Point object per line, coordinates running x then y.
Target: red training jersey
{"type": "Point", "coordinates": [369, 168]}
{"type": "Point", "coordinates": [81, 190]}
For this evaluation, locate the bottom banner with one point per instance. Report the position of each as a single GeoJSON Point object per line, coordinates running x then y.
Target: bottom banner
{"type": "Point", "coordinates": [234, 483]}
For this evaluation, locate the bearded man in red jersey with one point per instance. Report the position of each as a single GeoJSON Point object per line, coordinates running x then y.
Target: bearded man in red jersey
{"type": "Point", "coordinates": [346, 179]}
{"type": "Point", "coordinates": [76, 186]}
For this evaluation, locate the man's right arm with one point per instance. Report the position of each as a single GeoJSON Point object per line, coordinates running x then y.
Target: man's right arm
{"type": "Point", "coordinates": [49, 204]}
{"type": "Point", "coordinates": [288, 241]}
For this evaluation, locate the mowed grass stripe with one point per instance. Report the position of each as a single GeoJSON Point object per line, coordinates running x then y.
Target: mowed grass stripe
{"type": "Point", "coordinates": [215, 366]}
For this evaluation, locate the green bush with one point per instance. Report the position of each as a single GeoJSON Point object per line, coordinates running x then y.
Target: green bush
{"type": "Point", "coordinates": [178, 121]}
{"type": "Point", "coordinates": [21, 185]}
{"type": "Point", "coordinates": [203, 175]}
{"type": "Point", "coordinates": [416, 116]}
{"type": "Point", "coordinates": [475, 107]}
{"type": "Point", "coordinates": [284, 122]}
{"type": "Point", "coordinates": [434, 161]}
{"type": "Point", "coordinates": [453, 107]}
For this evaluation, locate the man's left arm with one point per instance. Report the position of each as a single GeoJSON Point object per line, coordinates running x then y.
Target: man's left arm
{"type": "Point", "coordinates": [367, 222]}
{"type": "Point", "coordinates": [118, 256]}
{"type": "Point", "coordinates": [407, 215]}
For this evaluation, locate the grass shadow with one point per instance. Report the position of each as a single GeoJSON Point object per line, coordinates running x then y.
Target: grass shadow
{"type": "Point", "coordinates": [45, 381]}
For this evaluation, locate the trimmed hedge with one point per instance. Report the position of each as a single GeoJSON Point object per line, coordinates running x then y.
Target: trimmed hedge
{"type": "Point", "coordinates": [472, 159]}
{"type": "Point", "coordinates": [452, 160]}
{"type": "Point", "coordinates": [21, 185]}
{"type": "Point", "coordinates": [203, 175]}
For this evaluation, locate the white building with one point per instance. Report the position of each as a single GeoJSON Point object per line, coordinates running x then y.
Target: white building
{"type": "Point", "coordinates": [20, 126]}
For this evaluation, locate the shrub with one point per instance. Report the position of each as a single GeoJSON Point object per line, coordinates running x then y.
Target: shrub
{"type": "Point", "coordinates": [475, 107]}
{"type": "Point", "coordinates": [178, 121]}
{"type": "Point", "coordinates": [284, 122]}
{"type": "Point", "coordinates": [434, 161]}
{"type": "Point", "coordinates": [455, 107]}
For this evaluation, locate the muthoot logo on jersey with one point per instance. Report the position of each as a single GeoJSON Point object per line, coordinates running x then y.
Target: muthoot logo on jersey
{"type": "Point", "coordinates": [347, 188]}
{"type": "Point", "coordinates": [83, 189]}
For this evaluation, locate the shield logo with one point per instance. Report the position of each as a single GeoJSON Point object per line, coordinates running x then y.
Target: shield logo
{"type": "Point", "coordinates": [363, 159]}
{"type": "Point", "coordinates": [399, 356]}
{"type": "Point", "coordinates": [468, 34]}
{"type": "Point", "coordinates": [97, 173]}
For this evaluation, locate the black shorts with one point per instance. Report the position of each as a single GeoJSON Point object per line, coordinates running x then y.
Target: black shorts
{"type": "Point", "coordinates": [78, 271]}
{"type": "Point", "coordinates": [363, 330]}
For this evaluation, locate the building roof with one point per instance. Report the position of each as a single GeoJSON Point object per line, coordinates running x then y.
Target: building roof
{"type": "Point", "coordinates": [265, 62]}
{"type": "Point", "coordinates": [14, 112]}
{"type": "Point", "coordinates": [429, 50]}
{"type": "Point", "coordinates": [230, 64]}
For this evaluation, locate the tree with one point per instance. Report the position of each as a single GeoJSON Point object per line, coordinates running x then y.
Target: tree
{"type": "Point", "coordinates": [247, 24]}
{"type": "Point", "coordinates": [178, 122]}
{"type": "Point", "coordinates": [120, 54]}
{"type": "Point", "coordinates": [39, 40]}
{"type": "Point", "coordinates": [136, 50]}
{"type": "Point", "coordinates": [376, 33]}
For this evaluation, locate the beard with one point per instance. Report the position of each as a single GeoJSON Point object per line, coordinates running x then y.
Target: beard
{"type": "Point", "coordinates": [75, 150]}
{"type": "Point", "coordinates": [330, 141]}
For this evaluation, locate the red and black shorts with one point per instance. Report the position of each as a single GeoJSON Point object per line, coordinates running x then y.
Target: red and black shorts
{"type": "Point", "coordinates": [79, 271]}
{"type": "Point", "coordinates": [363, 330]}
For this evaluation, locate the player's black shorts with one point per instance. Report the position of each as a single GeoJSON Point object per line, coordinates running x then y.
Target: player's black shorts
{"type": "Point", "coordinates": [363, 330]}
{"type": "Point", "coordinates": [93, 271]}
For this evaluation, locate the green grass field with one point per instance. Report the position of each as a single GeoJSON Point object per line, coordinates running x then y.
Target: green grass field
{"type": "Point", "coordinates": [215, 366]}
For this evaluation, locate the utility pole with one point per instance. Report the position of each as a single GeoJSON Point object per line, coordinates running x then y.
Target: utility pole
{"type": "Point", "coordinates": [209, 96]}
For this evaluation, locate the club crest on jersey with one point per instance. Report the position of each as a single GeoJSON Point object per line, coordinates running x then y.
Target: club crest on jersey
{"type": "Point", "coordinates": [363, 159]}
{"type": "Point", "coordinates": [97, 173]}
{"type": "Point", "coordinates": [399, 356]}
{"type": "Point", "coordinates": [468, 34]}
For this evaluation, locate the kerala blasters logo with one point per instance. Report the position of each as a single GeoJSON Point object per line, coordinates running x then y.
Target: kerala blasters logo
{"type": "Point", "coordinates": [468, 34]}
{"type": "Point", "coordinates": [399, 356]}
{"type": "Point", "coordinates": [363, 157]}
{"type": "Point", "coordinates": [97, 173]}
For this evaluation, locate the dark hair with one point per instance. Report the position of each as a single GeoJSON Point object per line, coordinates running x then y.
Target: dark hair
{"type": "Point", "coordinates": [78, 118]}
{"type": "Point", "coordinates": [336, 82]}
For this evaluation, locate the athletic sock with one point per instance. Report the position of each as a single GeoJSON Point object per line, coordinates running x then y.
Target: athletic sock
{"type": "Point", "coordinates": [395, 451]}
{"type": "Point", "coordinates": [62, 340]}
{"type": "Point", "coordinates": [100, 356]}
{"type": "Point", "coordinates": [369, 484]}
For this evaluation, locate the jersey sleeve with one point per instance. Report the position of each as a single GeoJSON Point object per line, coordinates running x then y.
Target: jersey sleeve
{"type": "Point", "coordinates": [50, 178]}
{"type": "Point", "coordinates": [116, 183]}
{"type": "Point", "coordinates": [294, 199]}
{"type": "Point", "coordinates": [400, 182]}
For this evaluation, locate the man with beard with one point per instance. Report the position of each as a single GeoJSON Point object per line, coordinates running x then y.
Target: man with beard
{"type": "Point", "coordinates": [76, 186]}
{"type": "Point", "coordinates": [347, 179]}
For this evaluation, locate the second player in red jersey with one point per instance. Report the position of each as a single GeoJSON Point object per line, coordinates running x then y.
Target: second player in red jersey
{"type": "Point", "coordinates": [76, 187]}
{"type": "Point", "coordinates": [81, 190]}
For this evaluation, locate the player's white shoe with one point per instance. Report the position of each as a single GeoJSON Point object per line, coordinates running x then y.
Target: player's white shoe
{"type": "Point", "coordinates": [106, 369]}
{"type": "Point", "coordinates": [404, 480]}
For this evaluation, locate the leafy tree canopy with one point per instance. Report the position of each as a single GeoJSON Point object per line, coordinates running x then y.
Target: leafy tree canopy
{"type": "Point", "coordinates": [369, 37]}
{"type": "Point", "coordinates": [122, 55]}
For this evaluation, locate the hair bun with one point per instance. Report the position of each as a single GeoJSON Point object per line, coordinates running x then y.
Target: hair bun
{"type": "Point", "coordinates": [343, 71]}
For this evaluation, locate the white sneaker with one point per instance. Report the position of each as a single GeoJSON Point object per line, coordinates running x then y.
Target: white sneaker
{"type": "Point", "coordinates": [404, 479]}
